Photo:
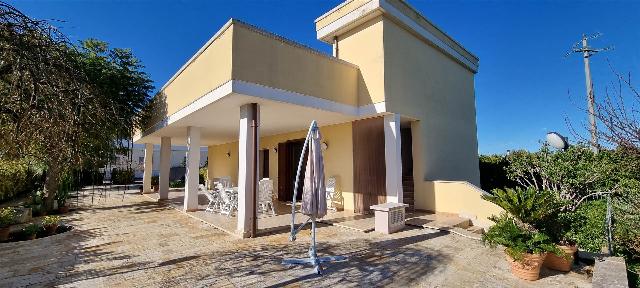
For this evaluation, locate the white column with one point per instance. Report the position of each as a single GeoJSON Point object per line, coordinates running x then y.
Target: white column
{"type": "Point", "coordinates": [148, 168]}
{"type": "Point", "coordinates": [193, 167]}
{"type": "Point", "coordinates": [165, 166]}
{"type": "Point", "coordinates": [247, 173]}
{"type": "Point", "coordinates": [393, 157]}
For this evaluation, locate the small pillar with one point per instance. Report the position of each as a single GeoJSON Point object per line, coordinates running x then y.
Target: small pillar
{"type": "Point", "coordinates": [248, 169]}
{"type": "Point", "coordinates": [393, 158]}
{"type": "Point", "coordinates": [148, 168]}
{"type": "Point", "coordinates": [165, 167]}
{"type": "Point", "coordinates": [193, 169]}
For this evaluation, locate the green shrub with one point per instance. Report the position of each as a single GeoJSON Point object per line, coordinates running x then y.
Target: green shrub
{"type": "Point", "coordinates": [528, 206]}
{"type": "Point", "coordinates": [493, 172]}
{"type": "Point", "coordinates": [31, 229]}
{"type": "Point", "coordinates": [7, 216]}
{"type": "Point", "coordinates": [122, 176]}
{"type": "Point", "coordinates": [18, 178]}
{"type": "Point", "coordinates": [516, 239]}
{"type": "Point", "coordinates": [176, 184]}
{"type": "Point", "coordinates": [589, 225]}
{"type": "Point", "coordinates": [203, 175]}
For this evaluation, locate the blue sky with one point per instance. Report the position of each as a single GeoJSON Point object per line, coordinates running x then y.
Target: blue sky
{"type": "Point", "coordinates": [524, 88]}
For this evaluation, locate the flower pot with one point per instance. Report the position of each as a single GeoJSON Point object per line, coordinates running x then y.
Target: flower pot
{"type": "Point", "coordinates": [528, 268]}
{"type": "Point", "coordinates": [559, 263]}
{"type": "Point", "coordinates": [4, 233]}
{"type": "Point", "coordinates": [156, 188]}
{"type": "Point", "coordinates": [63, 209]}
{"type": "Point", "coordinates": [31, 237]}
{"type": "Point", "coordinates": [51, 229]}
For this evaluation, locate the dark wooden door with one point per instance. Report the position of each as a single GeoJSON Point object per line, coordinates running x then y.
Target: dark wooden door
{"type": "Point", "coordinates": [288, 156]}
{"type": "Point", "coordinates": [369, 172]}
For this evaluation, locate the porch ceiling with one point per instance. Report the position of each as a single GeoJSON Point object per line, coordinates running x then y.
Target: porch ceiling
{"type": "Point", "coordinates": [219, 121]}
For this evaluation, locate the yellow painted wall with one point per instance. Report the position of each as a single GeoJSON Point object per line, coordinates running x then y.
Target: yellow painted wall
{"type": "Point", "coordinates": [338, 157]}
{"type": "Point", "coordinates": [363, 46]}
{"type": "Point", "coordinates": [265, 59]}
{"type": "Point", "coordinates": [456, 197]}
{"type": "Point", "coordinates": [422, 83]}
{"type": "Point", "coordinates": [210, 69]}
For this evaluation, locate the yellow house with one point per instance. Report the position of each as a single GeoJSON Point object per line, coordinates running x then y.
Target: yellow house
{"type": "Point", "coordinates": [395, 104]}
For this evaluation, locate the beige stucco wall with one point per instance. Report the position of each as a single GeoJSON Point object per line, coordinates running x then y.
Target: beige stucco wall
{"type": "Point", "coordinates": [209, 70]}
{"type": "Point", "coordinates": [338, 157]}
{"type": "Point", "coordinates": [424, 84]}
{"type": "Point", "coordinates": [456, 197]}
{"type": "Point", "coordinates": [363, 46]}
{"type": "Point", "coordinates": [265, 59]}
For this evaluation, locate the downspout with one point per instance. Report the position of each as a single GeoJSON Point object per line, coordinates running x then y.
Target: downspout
{"type": "Point", "coordinates": [335, 47]}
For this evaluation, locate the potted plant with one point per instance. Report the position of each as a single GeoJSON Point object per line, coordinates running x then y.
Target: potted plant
{"type": "Point", "coordinates": [7, 217]}
{"type": "Point", "coordinates": [155, 181]}
{"type": "Point", "coordinates": [526, 250]}
{"type": "Point", "coordinates": [30, 231]}
{"type": "Point", "coordinates": [50, 224]}
{"type": "Point", "coordinates": [518, 229]}
{"type": "Point", "coordinates": [560, 231]}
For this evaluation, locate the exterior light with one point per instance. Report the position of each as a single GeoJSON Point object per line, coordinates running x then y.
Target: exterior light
{"type": "Point", "coordinates": [228, 154]}
{"type": "Point", "coordinates": [324, 146]}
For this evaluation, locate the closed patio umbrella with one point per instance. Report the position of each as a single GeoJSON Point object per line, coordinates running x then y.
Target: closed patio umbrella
{"type": "Point", "coordinates": [314, 201]}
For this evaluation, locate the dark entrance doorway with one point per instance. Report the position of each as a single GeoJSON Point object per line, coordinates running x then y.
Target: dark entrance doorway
{"type": "Point", "coordinates": [288, 157]}
{"type": "Point", "coordinates": [407, 166]}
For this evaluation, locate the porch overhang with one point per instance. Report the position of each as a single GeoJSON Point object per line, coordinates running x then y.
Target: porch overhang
{"type": "Point", "coordinates": [217, 114]}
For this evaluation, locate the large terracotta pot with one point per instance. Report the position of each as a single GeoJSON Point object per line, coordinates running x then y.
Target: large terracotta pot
{"type": "Point", "coordinates": [528, 268]}
{"type": "Point", "coordinates": [559, 263]}
{"type": "Point", "coordinates": [4, 233]}
{"type": "Point", "coordinates": [64, 209]}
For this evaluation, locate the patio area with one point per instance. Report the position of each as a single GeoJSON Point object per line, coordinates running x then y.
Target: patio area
{"type": "Point", "coordinates": [132, 241]}
{"type": "Point", "coordinates": [281, 221]}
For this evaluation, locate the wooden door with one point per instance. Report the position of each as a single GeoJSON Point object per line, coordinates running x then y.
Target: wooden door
{"type": "Point", "coordinates": [289, 154]}
{"type": "Point", "coordinates": [369, 172]}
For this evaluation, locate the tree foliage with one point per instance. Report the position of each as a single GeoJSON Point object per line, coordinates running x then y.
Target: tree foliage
{"type": "Point", "coordinates": [64, 105]}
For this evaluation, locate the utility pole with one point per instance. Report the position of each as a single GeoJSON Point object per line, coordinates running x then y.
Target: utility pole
{"type": "Point", "coordinates": [587, 52]}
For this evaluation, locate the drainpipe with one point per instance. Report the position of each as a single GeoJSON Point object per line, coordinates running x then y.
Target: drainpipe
{"type": "Point", "coordinates": [335, 46]}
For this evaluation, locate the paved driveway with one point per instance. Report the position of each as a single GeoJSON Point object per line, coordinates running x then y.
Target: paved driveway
{"type": "Point", "coordinates": [134, 242]}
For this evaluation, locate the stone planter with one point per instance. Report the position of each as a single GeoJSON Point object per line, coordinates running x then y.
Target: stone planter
{"type": "Point", "coordinates": [24, 216]}
{"type": "Point", "coordinates": [560, 263]}
{"type": "Point", "coordinates": [4, 233]}
{"type": "Point", "coordinates": [528, 268]}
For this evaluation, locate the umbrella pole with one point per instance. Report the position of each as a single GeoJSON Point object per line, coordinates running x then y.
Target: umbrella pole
{"type": "Point", "coordinates": [313, 255]}
{"type": "Point", "coordinates": [292, 237]}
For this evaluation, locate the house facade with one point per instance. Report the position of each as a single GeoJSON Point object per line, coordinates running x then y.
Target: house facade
{"type": "Point", "coordinates": [395, 104]}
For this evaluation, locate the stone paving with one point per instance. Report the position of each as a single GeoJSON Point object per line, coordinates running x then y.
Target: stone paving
{"type": "Point", "coordinates": [135, 242]}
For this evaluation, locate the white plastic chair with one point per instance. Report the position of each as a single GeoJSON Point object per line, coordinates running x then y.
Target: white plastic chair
{"type": "Point", "coordinates": [334, 196]}
{"type": "Point", "coordinates": [265, 195]}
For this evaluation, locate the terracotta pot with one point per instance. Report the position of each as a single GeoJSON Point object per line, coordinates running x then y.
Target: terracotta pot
{"type": "Point", "coordinates": [4, 233]}
{"type": "Point", "coordinates": [31, 237]}
{"type": "Point", "coordinates": [559, 263]}
{"type": "Point", "coordinates": [529, 267]}
{"type": "Point", "coordinates": [63, 209]}
{"type": "Point", "coordinates": [51, 229]}
{"type": "Point", "coordinates": [156, 188]}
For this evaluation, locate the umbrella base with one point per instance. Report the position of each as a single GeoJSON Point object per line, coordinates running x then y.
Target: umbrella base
{"type": "Point", "coordinates": [315, 261]}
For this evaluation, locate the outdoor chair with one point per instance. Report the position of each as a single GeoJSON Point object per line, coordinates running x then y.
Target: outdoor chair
{"type": "Point", "coordinates": [265, 195]}
{"type": "Point", "coordinates": [334, 196]}
{"type": "Point", "coordinates": [229, 204]}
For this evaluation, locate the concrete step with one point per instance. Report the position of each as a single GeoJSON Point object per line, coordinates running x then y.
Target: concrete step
{"type": "Point", "coordinates": [437, 221]}
{"type": "Point", "coordinates": [475, 230]}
